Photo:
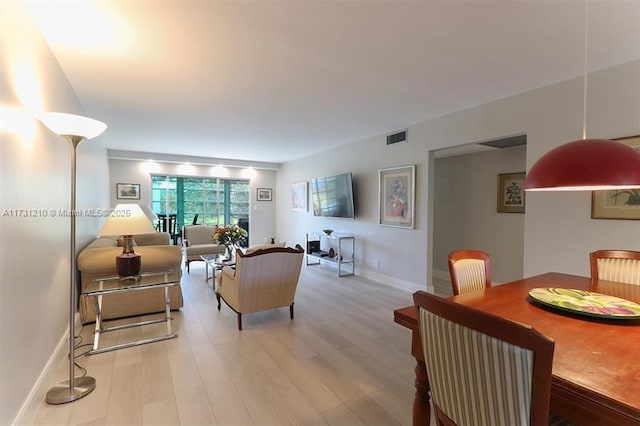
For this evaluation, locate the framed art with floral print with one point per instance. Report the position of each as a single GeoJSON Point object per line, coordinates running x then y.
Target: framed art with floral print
{"type": "Point", "coordinates": [618, 204]}
{"type": "Point", "coordinates": [396, 192]}
{"type": "Point", "coordinates": [511, 193]}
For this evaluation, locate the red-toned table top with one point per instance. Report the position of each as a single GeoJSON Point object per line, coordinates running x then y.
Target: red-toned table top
{"type": "Point", "coordinates": [597, 359]}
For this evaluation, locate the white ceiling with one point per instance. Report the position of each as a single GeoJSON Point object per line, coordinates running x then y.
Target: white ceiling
{"type": "Point", "coordinates": [275, 81]}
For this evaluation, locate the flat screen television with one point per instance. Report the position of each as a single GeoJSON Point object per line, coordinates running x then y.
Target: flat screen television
{"type": "Point", "coordinates": [332, 196]}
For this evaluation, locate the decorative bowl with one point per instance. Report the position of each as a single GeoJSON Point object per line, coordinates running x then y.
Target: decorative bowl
{"type": "Point", "coordinates": [327, 231]}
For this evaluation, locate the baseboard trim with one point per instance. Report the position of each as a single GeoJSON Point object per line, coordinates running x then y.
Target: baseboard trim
{"type": "Point", "coordinates": [439, 274]}
{"type": "Point", "coordinates": [29, 408]}
{"type": "Point", "coordinates": [393, 281]}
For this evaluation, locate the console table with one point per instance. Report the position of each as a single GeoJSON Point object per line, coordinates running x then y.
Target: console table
{"type": "Point", "coordinates": [344, 254]}
{"type": "Point", "coordinates": [101, 286]}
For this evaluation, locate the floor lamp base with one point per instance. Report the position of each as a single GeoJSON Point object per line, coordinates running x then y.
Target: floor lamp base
{"type": "Point", "coordinates": [62, 393]}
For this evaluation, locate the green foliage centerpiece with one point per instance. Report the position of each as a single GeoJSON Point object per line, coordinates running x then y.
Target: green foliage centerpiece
{"type": "Point", "coordinates": [229, 236]}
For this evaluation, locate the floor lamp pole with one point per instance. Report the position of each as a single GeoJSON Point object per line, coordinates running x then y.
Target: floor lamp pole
{"type": "Point", "coordinates": [75, 387]}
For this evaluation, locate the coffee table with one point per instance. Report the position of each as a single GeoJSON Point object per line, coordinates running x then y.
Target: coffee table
{"type": "Point", "coordinates": [114, 284]}
{"type": "Point", "coordinates": [215, 262]}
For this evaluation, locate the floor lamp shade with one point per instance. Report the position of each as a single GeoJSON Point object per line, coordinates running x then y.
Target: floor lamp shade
{"type": "Point", "coordinates": [65, 124]}
{"type": "Point", "coordinates": [588, 164]}
{"type": "Point", "coordinates": [127, 220]}
{"type": "Point", "coordinates": [75, 129]}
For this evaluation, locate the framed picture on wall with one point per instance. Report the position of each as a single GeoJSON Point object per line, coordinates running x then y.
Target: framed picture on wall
{"type": "Point", "coordinates": [264, 194]}
{"type": "Point", "coordinates": [620, 204]}
{"type": "Point", "coordinates": [299, 197]}
{"type": "Point", "coordinates": [396, 196]}
{"type": "Point", "coordinates": [511, 197]}
{"type": "Point", "coordinates": [128, 191]}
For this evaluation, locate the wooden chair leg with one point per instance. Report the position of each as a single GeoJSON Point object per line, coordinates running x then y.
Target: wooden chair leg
{"type": "Point", "coordinates": [291, 310]}
{"type": "Point", "coordinates": [239, 321]}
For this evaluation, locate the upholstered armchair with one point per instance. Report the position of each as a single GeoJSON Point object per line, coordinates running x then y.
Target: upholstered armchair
{"type": "Point", "coordinates": [198, 240]}
{"type": "Point", "coordinates": [262, 280]}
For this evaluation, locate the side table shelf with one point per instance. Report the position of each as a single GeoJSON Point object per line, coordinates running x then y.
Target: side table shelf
{"type": "Point", "coordinates": [146, 281]}
{"type": "Point", "coordinates": [319, 246]}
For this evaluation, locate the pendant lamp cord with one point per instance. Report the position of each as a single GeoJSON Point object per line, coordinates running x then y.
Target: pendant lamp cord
{"type": "Point", "coordinates": [584, 94]}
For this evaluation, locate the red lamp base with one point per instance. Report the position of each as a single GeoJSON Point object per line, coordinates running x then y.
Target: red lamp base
{"type": "Point", "coordinates": [128, 264]}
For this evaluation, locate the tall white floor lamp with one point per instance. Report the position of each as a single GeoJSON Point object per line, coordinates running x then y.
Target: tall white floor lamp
{"type": "Point", "coordinates": [75, 129]}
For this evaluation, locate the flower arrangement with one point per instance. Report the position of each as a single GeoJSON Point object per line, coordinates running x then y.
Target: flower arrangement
{"type": "Point", "coordinates": [229, 236]}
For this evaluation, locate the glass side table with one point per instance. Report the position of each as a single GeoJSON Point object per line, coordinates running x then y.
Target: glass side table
{"type": "Point", "coordinates": [114, 284]}
{"type": "Point", "coordinates": [215, 262]}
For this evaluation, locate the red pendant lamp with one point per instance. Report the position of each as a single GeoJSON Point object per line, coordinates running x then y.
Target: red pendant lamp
{"type": "Point", "coordinates": [587, 164]}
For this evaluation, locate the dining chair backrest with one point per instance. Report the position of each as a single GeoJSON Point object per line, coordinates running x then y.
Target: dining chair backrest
{"type": "Point", "coordinates": [483, 369]}
{"type": "Point", "coordinates": [616, 265]}
{"type": "Point", "coordinates": [469, 270]}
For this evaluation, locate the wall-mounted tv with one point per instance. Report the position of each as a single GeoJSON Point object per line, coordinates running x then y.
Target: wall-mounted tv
{"type": "Point", "coordinates": [332, 196]}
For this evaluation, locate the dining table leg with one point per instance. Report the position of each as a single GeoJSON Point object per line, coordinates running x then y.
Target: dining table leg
{"type": "Point", "coordinates": [407, 317]}
{"type": "Point", "coordinates": [421, 404]}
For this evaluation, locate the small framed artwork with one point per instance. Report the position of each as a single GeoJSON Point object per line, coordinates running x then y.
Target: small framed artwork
{"type": "Point", "coordinates": [511, 193]}
{"type": "Point", "coordinates": [396, 196]}
{"type": "Point", "coordinates": [299, 197]}
{"type": "Point", "coordinates": [618, 204]}
{"type": "Point", "coordinates": [264, 194]}
{"type": "Point", "coordinates": [128, 191]}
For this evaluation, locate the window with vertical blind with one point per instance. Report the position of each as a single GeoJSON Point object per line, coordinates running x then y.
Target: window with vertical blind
{"type": "Point", "coordinates": [215, 201]}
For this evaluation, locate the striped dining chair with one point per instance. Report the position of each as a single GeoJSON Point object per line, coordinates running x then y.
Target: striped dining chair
{"type": "Point", "coordinates": [616, 265]}
{"type": "Point", "coordinates": [469, 270]}
{"type": "Point", "coordinates": [483, 369]}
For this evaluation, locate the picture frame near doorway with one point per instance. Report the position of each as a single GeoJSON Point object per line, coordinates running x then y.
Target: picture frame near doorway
{"type": "Point", "coordinates": [128, 191]}
{"type": "Point", "coordinates": [264, 194]}
{"type": "Point", "coordinates": [618, 204]}
{"type": "Point", "coordinates": [510, 194]}
{"type": "Point", "coordinates": [299, 197]}
{"type": "Point", "coordinates": [396, 197]}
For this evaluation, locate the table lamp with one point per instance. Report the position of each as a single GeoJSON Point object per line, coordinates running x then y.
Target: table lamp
{"type": "Point", "coordinates": [127, 220]}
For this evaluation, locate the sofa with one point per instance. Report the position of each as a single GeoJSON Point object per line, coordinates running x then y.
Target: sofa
{"type": "Point", "coordinates": [98, 259]}
{"type": "Point", "coordinates": [198, 240]}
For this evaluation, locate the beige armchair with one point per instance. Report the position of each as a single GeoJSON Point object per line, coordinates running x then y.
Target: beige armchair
{"type": "Point", "coordinates": [198, 240]}
{"type": "Point", "coordinates": [262, 280]}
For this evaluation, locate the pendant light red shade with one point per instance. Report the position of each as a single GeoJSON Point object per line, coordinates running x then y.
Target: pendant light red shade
{"type": "Point", "coordinates": [589, 164]}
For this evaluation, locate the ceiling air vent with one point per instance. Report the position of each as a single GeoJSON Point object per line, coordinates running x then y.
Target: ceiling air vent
{"type": "Point", "coordinates": [397, 137]}
{"type": "Point", "coordinates": [507, 142]}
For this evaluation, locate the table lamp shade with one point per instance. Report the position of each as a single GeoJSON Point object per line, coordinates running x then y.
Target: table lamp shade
{"type": "Point", "coordinates": [127, 220]}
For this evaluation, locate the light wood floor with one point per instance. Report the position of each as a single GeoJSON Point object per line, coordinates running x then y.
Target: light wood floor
{"type": "Point", "coordinates": [341, 361]}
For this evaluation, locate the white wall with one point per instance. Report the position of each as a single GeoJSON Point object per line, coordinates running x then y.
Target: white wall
{"type": "Point", "coordinates": [559, 232]}
{"type": "Point", "coordinates": [465, 216]}
{"type": "Point", "coordinates": [35, 174]}
{"type": "Point", "coordinates": [261, 214]}
{"type": "Point", "coordinates": [392, 255]}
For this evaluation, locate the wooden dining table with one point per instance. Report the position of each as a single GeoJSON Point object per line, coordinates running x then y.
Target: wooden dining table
{"type": "Point", "coordinates": [596, 362]}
